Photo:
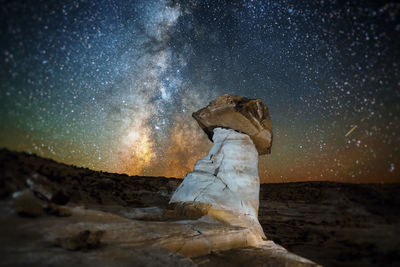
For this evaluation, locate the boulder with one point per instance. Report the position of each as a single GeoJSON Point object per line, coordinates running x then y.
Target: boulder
{"type": "Point", "coordinates": [47, 190]}
{"type": "Point", "coordinates": [249, 116]}
{"type": "Point", "coordinates": [25, 203]}
{"type": "Point", "coordinates": [85, 239]}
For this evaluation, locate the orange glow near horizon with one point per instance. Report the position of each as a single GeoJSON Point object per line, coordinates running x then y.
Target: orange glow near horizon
{"type": "Point", "coordinates": [136, 151]}
{"type": "Point", "coordinates": [188, 144]}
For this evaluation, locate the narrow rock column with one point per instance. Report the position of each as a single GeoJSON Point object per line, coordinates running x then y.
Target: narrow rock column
{"type": "Point", "coordinates": [227, 178]}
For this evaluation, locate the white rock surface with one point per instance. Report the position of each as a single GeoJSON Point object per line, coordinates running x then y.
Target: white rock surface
{"type": "Point", "coordinates": [227, 178]}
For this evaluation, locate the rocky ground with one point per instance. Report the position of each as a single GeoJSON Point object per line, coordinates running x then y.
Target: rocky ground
{"type": "Point", "coordinates": [332, 224]}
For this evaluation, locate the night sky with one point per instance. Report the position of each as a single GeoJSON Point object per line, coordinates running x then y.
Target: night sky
{"type": "Point", "coordinates": [111, 85]}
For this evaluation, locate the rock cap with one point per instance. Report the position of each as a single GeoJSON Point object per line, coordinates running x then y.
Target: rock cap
{"type": "Point", "coordinates": [249, 116]}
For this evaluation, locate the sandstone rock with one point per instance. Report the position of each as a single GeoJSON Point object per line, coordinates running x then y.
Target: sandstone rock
{"type": "Point", "coordinates": [191, 209]}
{"type": "Point", "coordinates": [50, 191]}
{"type": "Point", "coordinates": [25, 203]}
{"type": "Point", "coordinates": [226, 179]}
{"type": "Point", "coordinates": [269, 254]}
{"type": "Point", "coordinates": [159, 257]}
{"type": "Point", "coordinates": [187, 237]}
{"type": "Point", "coordinates": [249, 116]}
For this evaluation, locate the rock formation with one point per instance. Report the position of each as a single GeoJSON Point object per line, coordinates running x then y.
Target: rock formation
{"type": "Point", "coordinates": [227, 178]}
{"type": "Point", "coordinates": [214, 209]}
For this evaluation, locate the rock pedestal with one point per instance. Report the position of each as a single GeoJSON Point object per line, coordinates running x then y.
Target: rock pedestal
{"type": "Point", "coordinates": [227, 180]}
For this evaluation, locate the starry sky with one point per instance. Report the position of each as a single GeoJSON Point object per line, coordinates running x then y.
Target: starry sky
{"type": "Point", "coordinates": [111, 85]}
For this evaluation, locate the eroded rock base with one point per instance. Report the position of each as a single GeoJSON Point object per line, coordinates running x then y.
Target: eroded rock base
{"type": "Point", "coordinates": [58, 241]}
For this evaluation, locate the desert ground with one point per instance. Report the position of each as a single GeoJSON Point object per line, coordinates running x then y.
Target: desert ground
{"type": "Point", "coordinates": [331, 224]}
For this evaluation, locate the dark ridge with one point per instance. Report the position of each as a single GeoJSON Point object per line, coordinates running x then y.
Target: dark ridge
{"type": "Point", "coordinates": [83, 184]}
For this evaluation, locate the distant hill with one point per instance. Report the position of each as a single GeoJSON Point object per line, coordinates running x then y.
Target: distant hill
{"type": "Point", "coordinates": [82, 184]}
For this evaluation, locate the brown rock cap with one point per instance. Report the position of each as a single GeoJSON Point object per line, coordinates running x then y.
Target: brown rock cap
{"type": "Point", "coordinates": [249, 116]}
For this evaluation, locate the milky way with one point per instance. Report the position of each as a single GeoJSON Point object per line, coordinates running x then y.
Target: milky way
{"type": "Point", "coordinates": [111, 85]}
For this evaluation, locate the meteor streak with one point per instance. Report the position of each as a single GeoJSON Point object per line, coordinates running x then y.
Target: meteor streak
{"type": "Point", "coordinates": [351, 130]}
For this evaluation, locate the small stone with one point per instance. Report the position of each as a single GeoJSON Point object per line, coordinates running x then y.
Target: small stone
{"type": "Point", "coordinates": [94, 239]}
{"type": "Point", "coordinates": [85, 239]}
{"type": "Point", "coordinates": [25, 203]}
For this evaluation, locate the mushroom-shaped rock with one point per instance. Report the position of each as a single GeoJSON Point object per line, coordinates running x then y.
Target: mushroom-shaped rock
{"type": "Point", "coordinates": [249, 116]}
{"type": "Point", "coordinates": [227, 178]}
